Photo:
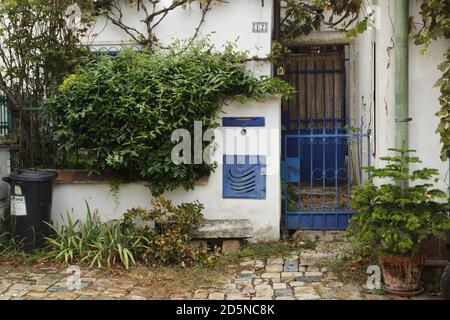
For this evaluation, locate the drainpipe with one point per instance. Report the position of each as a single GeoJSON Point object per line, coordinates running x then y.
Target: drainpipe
{"type": "Point", "coordinates": [276, 20]}
{"type": "Point", "coordinates": [401, 38]}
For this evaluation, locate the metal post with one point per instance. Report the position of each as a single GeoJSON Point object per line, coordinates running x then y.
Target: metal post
{"type": "Point", "coordinates": [276, 20]}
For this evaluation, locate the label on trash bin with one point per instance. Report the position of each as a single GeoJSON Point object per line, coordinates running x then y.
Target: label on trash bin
{"type": "Point", "coordinates": [17, 190]}
{"type": "Point", "coordinates": [18, 207]}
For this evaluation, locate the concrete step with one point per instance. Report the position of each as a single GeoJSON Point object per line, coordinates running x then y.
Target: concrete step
{"type": "Point", "coordinates": [224, 229]}
{"type": "Point", "coordinates": [319, 235]}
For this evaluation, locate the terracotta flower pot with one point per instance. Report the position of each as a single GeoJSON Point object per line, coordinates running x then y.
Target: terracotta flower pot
{"type": "Point", "coordinates": [401, 274]}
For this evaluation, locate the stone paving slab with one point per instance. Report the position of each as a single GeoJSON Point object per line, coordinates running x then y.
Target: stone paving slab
{"type": "Point", "coordinates": [294, 277]}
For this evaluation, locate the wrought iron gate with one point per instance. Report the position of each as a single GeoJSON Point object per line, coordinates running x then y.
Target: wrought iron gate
{"type": "Point", "coordinates": [323, 155]}
{"type": "Point", "coordinates": [5, 118]}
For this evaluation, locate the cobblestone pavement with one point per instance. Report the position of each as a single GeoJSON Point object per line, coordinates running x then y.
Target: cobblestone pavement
{"type": "Point", "coordinates": [293, 277]}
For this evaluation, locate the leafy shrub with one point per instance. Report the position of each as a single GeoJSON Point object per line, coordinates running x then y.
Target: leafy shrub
{"type": "Point", "coordinates": [394, 217]}
{"type": "Point", "coordinates": [159, 235]}
{"type": "Point", "coordinates": [121, 111]}
{"type": "Point", "coordinates": [169, 237]}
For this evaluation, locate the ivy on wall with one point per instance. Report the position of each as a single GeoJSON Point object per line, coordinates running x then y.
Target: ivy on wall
{"type": "Point", "coordinates": [444, 86]}
{"type": "Point", "coordinates": [121, 112]}
{"type": "Point", "coordinates": [303, 17]}
{"type": "Point", "coordinates": [436, 24]}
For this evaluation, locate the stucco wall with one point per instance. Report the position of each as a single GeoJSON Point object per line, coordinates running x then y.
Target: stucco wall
{"type": "Point", "coordinates": [225, 22]}
{"type": "Point", "coordinates": [423, 97]}
{"type": "Point", "coordinates": [264, 214]}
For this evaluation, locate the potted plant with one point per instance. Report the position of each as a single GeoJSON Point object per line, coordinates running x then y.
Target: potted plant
{"type": "Point", "coordinates": [396, 209]}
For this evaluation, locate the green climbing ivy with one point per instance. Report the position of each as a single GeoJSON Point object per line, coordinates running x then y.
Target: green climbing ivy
{"type": "Point", "coordinates": [121, 112]}
{"type": "Point", "coordinates": [436, 24]}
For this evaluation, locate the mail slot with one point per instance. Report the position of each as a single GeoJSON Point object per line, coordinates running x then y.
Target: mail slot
{"type": "Point", "coordinates": [243, 122]}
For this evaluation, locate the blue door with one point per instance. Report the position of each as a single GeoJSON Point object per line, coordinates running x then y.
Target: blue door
{"type": "Point", "coordinates": [322, 154]}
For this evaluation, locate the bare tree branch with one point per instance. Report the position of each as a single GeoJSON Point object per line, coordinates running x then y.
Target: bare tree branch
{"type": "Point", "coordinates": [153, 17]}
{"type": "Point", "coordinates": [202, 20]}
{"type": "Point", "coordinates": [173, 6]}
{"type": "Point", "coordinates": [116, 17]}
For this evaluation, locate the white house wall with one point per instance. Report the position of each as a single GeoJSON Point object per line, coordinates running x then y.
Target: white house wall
{"type": "Point", "coordinates": [224, 23]}
{"type": "Point", "coordinates": [423, 96]}
{"type": "Point", "coordinates": [424, 104]}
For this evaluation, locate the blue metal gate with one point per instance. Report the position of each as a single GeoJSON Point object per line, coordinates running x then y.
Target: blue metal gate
{"type": "Point", "coordinates": [323, 156]}
{"type": "Point", "coordinates": [318, 176]}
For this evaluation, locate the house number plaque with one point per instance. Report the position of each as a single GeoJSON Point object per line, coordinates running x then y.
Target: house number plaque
{"type": "Point", "coordinates": [260, 27]}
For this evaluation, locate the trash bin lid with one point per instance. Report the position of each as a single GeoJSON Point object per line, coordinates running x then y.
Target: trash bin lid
{"type": "Point", "coordinates": [33, 175]}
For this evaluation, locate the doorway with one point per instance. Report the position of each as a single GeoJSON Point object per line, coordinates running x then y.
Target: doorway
{"type": "Point", "coordinates": [322, 154]}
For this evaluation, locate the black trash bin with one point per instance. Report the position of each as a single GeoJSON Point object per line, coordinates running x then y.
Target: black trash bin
{"type": "Point", "coordinates": [31, 200]}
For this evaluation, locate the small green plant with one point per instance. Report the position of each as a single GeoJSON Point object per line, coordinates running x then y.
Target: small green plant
{"type": "Point", "coordinates": [382, 290]}
{"type": "Point", "coordinates": [308, 245]}
{"type": "Point", "coordinates": [395, 215]}
{"type": "Point", "coordinates": [95, 243]}
{"type": "Point", "coordinates": [168, 229]}
{"type": "Point", "coordinates": [8, 244]}
{"type": "Point", "coordinates": [114, 189]}
{"type": "Point", "coordinates": [5, 242]}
